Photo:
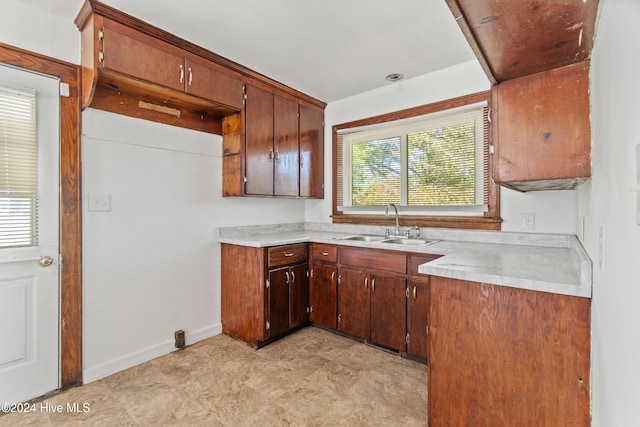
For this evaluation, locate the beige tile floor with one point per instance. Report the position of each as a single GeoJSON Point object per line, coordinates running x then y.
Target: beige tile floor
{"type": "Point", "coordinates": [310, 378]}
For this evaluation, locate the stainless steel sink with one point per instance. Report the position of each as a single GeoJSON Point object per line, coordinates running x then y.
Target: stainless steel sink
{"type": "Point", "coordinates": [407, 241]}
{"type": "Point", "coordinates": [363, 238]}
{"type": "Point", "coordinates": [395, 240]}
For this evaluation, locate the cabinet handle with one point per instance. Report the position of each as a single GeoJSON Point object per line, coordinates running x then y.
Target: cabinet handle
{"type": "Point", "coordinates": [277, 156]}
{"type": "Point", "coordinates": [190, 76]}
{"type": "Point", "coordinates": [415, 292]}
{"type": "Point", "coordinates": [301, 161]}
{"type": "Point", "coordinates": [373, 285]}
{"type": "Point", "coordinates": [324, 253]}
{"type": "Point", "coordinates": [287, 273]}
{"type": "Point", "coordinates": [366, 283]}
{"type": "Point", "coordinates": [293, 277]}
{"type": "Point", "coordinates": [333, 276]}
{"type": "Point", "coordinates": [339, 279]}
{"type": "Point", "coordinates": [288, 254]}
{"type": "Point", "coordinates": [181, 74]}
{"type": "Point", "coordinates": [271, 155]}
{"type": "Point", "coordinates": [339, 318]}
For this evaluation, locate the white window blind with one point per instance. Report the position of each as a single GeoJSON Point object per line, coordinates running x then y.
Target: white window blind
{"type": "Point", "coordinates": [18, 169]}
{"type": "Point", "coordinates": [433, 163]}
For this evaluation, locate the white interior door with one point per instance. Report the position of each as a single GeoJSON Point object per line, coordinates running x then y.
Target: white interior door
{"type": "Point", "coordinates": [29, 288]}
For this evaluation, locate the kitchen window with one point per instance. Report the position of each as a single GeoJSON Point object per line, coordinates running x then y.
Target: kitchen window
{"type": "Point", "coordinates": [431, 161]}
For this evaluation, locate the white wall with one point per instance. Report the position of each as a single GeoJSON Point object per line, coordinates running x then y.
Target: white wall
{"type": "Point", "coordinates": [151, 265]}
{"type": "Point", "coordinates": [32, 28]}
{"type": "Point", "coordinates": [607, 204]}
{"type": "Point", "coordinates": [555, 211]}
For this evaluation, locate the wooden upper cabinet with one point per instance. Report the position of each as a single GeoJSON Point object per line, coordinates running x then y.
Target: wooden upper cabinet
{"type": "Point", "coordinates": [311, 152]}
{"type": "Point", "coordinates": [285, 145]}
{"type": "Point", "coordinates": [541, 130]}
{"type": "Point", "coordinates": [128, 52]}
{"type": "Point", "coordinates": [259, 154]}
{"type": "Point", "coordinates": [211, 81]}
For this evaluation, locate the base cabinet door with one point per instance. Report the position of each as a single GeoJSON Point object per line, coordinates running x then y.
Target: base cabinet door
{"type": "Point", "coordinates": [298, 295]}
{"type": "Point", "coordinates": [417, 317]}
{"type": "Point", "coordinates": [503, 357]}
{"type": "Point", "coordinates": [353, 303]}
{"type": "Point", "coordinates": [389, 311]}
{"type": "Point", "coordinates": [323, 301]}
{"type": "Point", "coordinates": [277, 302]}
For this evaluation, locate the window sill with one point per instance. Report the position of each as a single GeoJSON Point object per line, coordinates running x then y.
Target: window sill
{"type": "Point", "coordinates": [460, 222]}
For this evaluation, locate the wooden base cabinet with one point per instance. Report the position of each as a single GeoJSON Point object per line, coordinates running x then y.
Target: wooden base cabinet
{"type": "Point", "coordinates": [503, 357]}
{"type": "Point", "coordinates": [323, 291]}
{"type": "Point", "coordinates": [265, 291]}
{"type": "Point", "coordinates": [372, 296]}
{"type": "Point", "coordinates": [418, 306]}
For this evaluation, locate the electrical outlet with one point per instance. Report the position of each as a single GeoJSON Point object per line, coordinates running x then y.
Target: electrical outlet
{"type": "Point", "coordinates": [529, 221]}
{"type": "Point", "coordinates": [179, 336]}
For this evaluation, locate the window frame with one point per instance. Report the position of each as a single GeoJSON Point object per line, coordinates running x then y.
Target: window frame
{"type": "Point", "coordinates": [490, 220]}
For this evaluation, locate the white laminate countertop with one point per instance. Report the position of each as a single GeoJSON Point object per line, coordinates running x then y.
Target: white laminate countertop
{"type": "Point", "coordinates": [549, 263]}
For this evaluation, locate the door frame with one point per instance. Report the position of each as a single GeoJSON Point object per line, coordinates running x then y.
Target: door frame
{"type": "Point", "coordinates": [70, 206]}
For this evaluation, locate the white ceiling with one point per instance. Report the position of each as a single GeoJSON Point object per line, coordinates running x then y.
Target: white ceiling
{"type": "Point", "coordinates": [329, 49]}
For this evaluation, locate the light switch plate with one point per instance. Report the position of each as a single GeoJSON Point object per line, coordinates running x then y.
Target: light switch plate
{"type": "Point", "coordinates": [99, 202]}
{"type": "Point", "coordinates": [529, 221]}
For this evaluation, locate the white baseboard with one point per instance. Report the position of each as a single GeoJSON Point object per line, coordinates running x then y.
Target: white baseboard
{"type": "Point", "coordinates": [144, 355]}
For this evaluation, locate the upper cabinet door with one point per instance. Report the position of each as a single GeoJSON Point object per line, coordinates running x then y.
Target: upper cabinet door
{"type": "Point", "coordinates": [541, 129]}
{"type": "Point", "coordinates": [259, 142]}
{"type": "Point", "coordinates": [210, 81]}
{"type": "Point", "coordinates": [311, 152]}
{"type": "Point", "coordinates": [128, 52]}
{"type": "Point", "coordinates": [285, 128]}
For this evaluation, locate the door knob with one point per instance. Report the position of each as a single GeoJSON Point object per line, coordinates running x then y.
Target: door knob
{"type": "Point", "coordinates": [45, 261]}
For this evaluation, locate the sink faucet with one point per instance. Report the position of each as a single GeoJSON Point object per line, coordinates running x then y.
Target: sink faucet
{"type": "Point", "coordinates": [386, 215]}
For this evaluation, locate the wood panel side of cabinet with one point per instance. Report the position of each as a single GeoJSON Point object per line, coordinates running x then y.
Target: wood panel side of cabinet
{"type": "Point", "coordinates": [311, 152]}
{"type": "Point", "coordinates": [259, 154]}
{"type": "Point", "coordinates": [232, 156]}
{"type": "Point", "coordinates": [500, 356]}
{"type": "Point", "coordinates": [323, 297]}
{"type": "Point", "coordinates": [243, 292]}
{"type": "Point", "coordinates": [541, 127]}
